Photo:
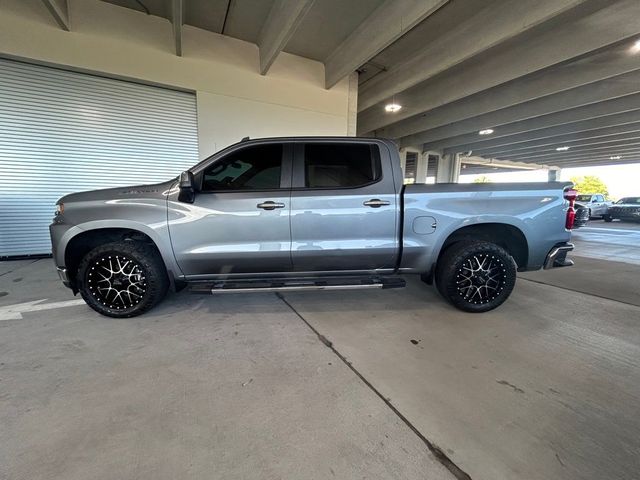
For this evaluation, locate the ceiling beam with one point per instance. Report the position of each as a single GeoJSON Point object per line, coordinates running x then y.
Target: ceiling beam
{"type": "Point", "coordinates": [284, 18]}
{"type": "Point", "coordinates": [587, 113]}
{"type": "Point", "coordinates": [590, 26]}
{"type": "Point", "coordinates": [536, 136]}
{"type": "Point", "coordinates": [608, 151]}
{"type": "Point", "coordinates": [613, 144]}
{"type": "Point", "coordinates": [580, 97]}
{"type": "Point", "coordinates": [583, 138]}
{"type": "Point", "coordinates": [493, 162]}
{"type": "Point", "coordinates": [59, 10]}
{"type": "Point", "coordinates": [384, 26]}
{"type": "Point", "coordinates": [496, 22]}
{"type": "Point", "coordinates": [177, 20]}
{"type": "Point", "coordinates": [597, 161]}
{"type": "Point", "coordinates": [489, 108]}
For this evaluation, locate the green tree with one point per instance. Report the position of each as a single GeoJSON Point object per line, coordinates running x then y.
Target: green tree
{"type": "Point", "coordinates": [590, 184]}
{"type": "Point", "coordinates": [482, 179]}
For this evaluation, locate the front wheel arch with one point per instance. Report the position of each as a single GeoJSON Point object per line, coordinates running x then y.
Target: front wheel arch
{"type": "Point", "coordinates": [84, 242]}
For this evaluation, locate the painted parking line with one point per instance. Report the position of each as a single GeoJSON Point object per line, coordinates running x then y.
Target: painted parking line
{"type": "Point", "coordinates": [14, 312]}
{"type": "Point", "coordinates": [612, 230]}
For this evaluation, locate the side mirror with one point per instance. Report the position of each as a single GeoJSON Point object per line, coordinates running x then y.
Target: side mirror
{"type": "Point", "coordinates": [186, 184]}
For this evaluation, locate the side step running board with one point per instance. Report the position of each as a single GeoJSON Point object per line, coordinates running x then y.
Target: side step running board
{"type": "Point", "coordinates": [295, 284]}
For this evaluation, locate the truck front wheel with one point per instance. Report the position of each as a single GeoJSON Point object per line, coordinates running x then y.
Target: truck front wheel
{"type": "Point", "coordinates": [475, 276]}
{"type": "Point", "coordinates": [122, 279]}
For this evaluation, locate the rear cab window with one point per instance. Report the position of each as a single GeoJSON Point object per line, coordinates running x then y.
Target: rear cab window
{"type": "Point", "coordinates": [341, 165]}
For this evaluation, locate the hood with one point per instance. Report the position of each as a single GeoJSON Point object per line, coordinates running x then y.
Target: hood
{"type": "Point", "coordinates": [135, 191]}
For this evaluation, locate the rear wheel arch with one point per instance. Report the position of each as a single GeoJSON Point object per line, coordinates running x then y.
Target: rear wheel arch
{"type": "Point", "coordinates": [505, 235]}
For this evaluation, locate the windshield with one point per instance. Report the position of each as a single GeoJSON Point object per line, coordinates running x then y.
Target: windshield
{"type": "Point", "coordinates": [634, 200]}
{"type": "Point", "coordinates": [583, 198]}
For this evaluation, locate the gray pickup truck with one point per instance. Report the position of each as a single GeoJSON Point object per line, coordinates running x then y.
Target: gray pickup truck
{"type": "Point", "coordinates": [306, 213]}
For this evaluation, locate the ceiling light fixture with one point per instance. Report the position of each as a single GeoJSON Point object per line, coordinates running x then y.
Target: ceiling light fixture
{"type": "Point", "coordinates": [635, 48]}
{"type": "Point", "coordinates": [562, 149]}
{"type": "Point", "coordinates": [615, 157]}
{"type": "Point", "coordinates": [392, 107]}
{"type": "Point", "coordinates": [486, 131]}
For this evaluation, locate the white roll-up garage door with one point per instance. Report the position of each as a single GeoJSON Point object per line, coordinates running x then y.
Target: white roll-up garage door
{"type": "Point", "coordinates": [63, 132]}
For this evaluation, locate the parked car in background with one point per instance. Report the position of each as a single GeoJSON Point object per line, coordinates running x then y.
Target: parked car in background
{"type": "Point", "coordinates": [582, 215]}
{"type": "Point", "coordinates": [627, 208]}
{"type": "Point", "coordinates": [595, 203]}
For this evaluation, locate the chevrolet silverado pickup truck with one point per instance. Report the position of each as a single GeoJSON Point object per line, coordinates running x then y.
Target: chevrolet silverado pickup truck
{"type": "Point", "coordinates": [306, 213]}
{"type": "Point", "coordinates": [595, 203]}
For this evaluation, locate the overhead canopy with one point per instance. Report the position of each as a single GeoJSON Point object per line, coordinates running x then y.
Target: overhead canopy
{"type": "Point", "coordinates": [541, 74]}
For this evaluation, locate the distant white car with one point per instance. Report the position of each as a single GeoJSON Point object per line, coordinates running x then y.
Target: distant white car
{"type": "Point", "coordinates": [595, 202]}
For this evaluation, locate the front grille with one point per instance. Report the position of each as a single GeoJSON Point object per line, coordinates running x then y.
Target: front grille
{"type": "Point", "coordinates": [624, 210]}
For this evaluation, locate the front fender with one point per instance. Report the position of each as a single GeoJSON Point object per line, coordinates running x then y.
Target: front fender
{"type": "Point", "coordinates": [159, 234]}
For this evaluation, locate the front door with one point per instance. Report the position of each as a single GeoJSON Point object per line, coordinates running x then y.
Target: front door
{"type": "Point", "coordinates": [239, 221]}
{"type": "Point", "coordinates": [344, 207]}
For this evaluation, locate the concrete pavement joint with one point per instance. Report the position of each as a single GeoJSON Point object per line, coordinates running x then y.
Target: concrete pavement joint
{"type": "Point", "coordinates": [21, 266]}
{"type": "Point", "coordinates": [578, 291]}
{"type": "Point", "coordinates": [435, 450]}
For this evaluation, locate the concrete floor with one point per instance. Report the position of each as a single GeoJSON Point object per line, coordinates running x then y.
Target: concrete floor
{"type": "Point", "coordinates": [200, 388]}
{"type": "Point", "coordinates": [609, 241]}
{"type": "Point", "coordinates": [545, 387]}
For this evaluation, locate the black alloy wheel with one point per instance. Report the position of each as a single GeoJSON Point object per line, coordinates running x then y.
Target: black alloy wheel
{"type": "Point", "coordinates": [476, 276]}
{"type": "Point", "coordinates": [481, 278]}
{"type": "Point", "coordinates": [122, 279]}
{"type": "Point", "coordinates": [117, 281]}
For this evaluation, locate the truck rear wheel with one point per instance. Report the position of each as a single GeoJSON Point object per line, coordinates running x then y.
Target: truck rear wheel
{"type": "Point", "coordinates": [476, 276]}
{"type": "Point", "coordinates": [122, 279]}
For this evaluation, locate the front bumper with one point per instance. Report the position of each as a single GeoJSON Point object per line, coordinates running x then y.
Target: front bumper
{"type": "Point", "coordinates": [626, 214]}
{"type": "Point", "coordinates": [557, 256]}
{"type": "Point", "coordinates": [64, 276]}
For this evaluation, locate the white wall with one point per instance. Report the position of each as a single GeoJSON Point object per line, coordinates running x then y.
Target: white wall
{"type": "Point", "coordinates": [234, 100]}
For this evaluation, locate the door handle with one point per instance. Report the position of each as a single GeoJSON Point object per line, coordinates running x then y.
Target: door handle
{"type": "Point", "coordinates": [376, 203]}
{"type": "Point", "coordinates": [270, 205]}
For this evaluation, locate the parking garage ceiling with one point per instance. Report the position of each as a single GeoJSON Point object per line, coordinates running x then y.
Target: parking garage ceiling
{"type": "Point", "coordinates": [553, 82]}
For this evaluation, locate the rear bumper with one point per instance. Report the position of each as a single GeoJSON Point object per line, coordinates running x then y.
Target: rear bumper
{"type": "Point", "coordinates": [557, 256]}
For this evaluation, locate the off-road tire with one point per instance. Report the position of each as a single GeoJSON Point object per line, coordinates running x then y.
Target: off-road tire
{"type": "Point", "coordinates": [481, 291]}
{"type": "Point", "coordinates": [149, 286]}
{"type": "Point", "coordinates": [607, 218]}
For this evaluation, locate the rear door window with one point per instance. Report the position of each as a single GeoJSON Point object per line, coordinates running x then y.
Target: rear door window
{"type": "Point", "coordinates": [341, 165]}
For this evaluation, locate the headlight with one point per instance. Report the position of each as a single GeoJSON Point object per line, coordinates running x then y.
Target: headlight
{"type": "Point", "coordinates": [59, 209]}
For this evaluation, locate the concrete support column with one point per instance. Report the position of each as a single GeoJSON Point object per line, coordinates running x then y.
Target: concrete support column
{"type": "Point", "coordinates": [352, 104]}
{"type": "Point", "coordinates": [448, 169]}
{"type": "Point", "coordinates": [421, 172]}
{"type": "Point", "coordinates": [553, 175]}
{"type": "Point", "coordinates": [403, 158]}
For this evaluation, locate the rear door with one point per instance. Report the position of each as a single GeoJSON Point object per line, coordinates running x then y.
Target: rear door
{"type": "Point", "coordinates": [344, 207]}
{"type": "Point", "coordinates": [239, 221]}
